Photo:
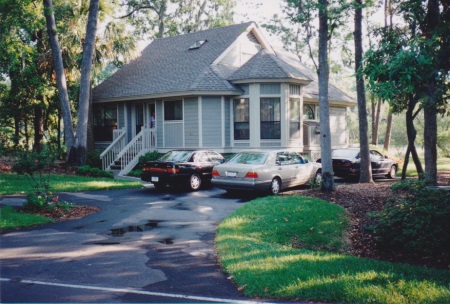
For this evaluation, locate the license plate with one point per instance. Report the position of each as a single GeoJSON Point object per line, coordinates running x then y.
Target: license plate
{"type": "Point", "coordinates": [231, 174]}
{"type": "Point", "coordinates": [155, 179]}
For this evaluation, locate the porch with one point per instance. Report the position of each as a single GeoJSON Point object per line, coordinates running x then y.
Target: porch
{"type": "Point", "coordinates": [122, 156]}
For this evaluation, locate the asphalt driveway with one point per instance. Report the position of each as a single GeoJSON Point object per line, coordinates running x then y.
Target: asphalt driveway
{"type": "Point", "coordinates": [143, 246]}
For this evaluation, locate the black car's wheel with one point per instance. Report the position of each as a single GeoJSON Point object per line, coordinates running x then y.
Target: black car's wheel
{"type": "Point", "coordinates": [195, 182]}
{"type": "Point", "coordinates": [275, 186]}
{"type": "Point", "coordinates": [392, 172]}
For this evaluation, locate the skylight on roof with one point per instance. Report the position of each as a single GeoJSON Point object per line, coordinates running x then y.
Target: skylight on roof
{"type": "Point", "coordinates": [197, 44]}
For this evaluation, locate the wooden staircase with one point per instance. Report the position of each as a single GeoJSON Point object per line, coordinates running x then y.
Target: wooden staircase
{"type": "Point", "coordinates": [122, 158]}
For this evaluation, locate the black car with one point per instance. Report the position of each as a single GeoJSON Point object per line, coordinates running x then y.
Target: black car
{"type": "Point", "coordinates": [190, 168]}
{"type": "Point", "coordinates": [346, 163]}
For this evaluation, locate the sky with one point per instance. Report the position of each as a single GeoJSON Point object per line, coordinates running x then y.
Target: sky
{"type": "Point", "coordinates": [260, 11]}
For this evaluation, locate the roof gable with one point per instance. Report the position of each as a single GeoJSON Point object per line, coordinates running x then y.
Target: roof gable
{"type": "Point", "coordinates": [168, 65]}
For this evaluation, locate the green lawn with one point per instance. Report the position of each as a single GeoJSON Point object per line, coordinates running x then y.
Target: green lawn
{"type": "Point", "coordinates": [272, 247]}
{"type": "Point", "coordinates": [12, 219]}
{"type": "Point", "coordinates": [20, 184]}
{"type": "Point", "coordinates": [443, 164]}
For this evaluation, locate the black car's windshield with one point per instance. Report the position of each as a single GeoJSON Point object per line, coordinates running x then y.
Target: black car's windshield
{"type": "Point", "coordinates": [251, 158]}
{"type": "Point", "coordinates": [176, 156]}
{"type": "Point", "coordinates": [345, 153]}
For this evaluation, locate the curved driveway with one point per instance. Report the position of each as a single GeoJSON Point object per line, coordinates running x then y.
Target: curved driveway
{"type": "Point", "coordinates": [143, 246]}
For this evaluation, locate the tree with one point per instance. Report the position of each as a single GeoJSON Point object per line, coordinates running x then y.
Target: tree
{"type": "Point", "coordinates": [85, 84]}
{"type": "Point", "coordinates": [60, 75]}
{"type": "Point", "coordinates": [365, 175]}
{"type": "Point", "coordinates": [161, 18]}
{"type": "Point", "coordinates": [324, 72]}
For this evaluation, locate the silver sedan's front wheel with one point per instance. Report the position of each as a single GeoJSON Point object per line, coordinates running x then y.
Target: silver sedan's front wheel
{"type": "Point", "coordinates": [318, 178]}
{"type": "Point", "coordinates": [275, 186]}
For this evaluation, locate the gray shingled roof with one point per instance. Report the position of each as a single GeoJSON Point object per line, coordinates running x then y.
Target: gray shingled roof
{"type": "Point", "coordinates": [265, 65]}
{"type": "Point", "coordinates": [312, 89]}
{"type": "Point", "coordinates": [168, 66]}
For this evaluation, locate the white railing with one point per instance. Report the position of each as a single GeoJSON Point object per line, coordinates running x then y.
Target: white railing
{"type": "Point", "coordinates": [109, 155]}
{"type": "Point", "coordinates": [142, 143]}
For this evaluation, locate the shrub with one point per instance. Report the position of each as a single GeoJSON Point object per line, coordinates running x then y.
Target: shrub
{"type": "Point", "coordinates": [149, 156]}
{"type": "Point", "coordinates": [93, 159]}
{"type": "Point", "coordinates": [33, 165]}
{"type": "Point", "coordinates": [93, 172]}
{"type": "Point", "coordinates": [415, 220]}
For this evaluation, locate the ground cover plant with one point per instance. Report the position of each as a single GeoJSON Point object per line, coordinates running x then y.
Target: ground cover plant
{"type": "Point", "coordinates": [279, 247]}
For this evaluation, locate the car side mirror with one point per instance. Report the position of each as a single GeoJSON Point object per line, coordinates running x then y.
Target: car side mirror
{"type": "Point", "coordinates": [278, 163]}
{"type": "Point", "coordinates": [306, 161]}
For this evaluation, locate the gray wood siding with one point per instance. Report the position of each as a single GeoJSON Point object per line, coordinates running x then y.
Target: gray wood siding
{"type": "Point", "coordinates": [191, 134]}
{"type": "Point", "coordinates": [338, 126]}
{"type": "Point", "coordinates": [159, 123]}
{"type": "Point", "coordinates": [173, 135]}
{"type": "Point", "coordinates": [228, 124]}
{"type": "Point", "coordinates": [212, 121]}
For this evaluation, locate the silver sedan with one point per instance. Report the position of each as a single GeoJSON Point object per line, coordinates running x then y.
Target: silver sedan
{"type": "Point", "coordinates": [262, 170]}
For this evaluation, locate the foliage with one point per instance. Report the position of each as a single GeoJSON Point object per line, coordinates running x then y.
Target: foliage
{"type": "Point", "coordinates": [93, 159]}
{"type": "Point", "coordinates": [415, 220]}
{"type": "Point", "coordinates": [11, 219]}
{"type": "Point", "coordinates": [149, 156]}
{"type": "Point", "coordinates": [272, 247]}
{"type": "Point", "coordinates": [93, 172]}
{"type": "Point", "coordinates": [33, 165]}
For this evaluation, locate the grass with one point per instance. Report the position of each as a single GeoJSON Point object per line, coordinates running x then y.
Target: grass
{"type": "Point", "coordinates": [12, 219]}
{"type": "Point", "coordinates": [20, 184]}
{"type": "Point", "coordinates": [443, 164]}
{"type": "Point", "coordinates": [273, 248]}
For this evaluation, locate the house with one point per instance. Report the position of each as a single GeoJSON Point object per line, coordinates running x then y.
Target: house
{"type": "Point", "coordinates": [225, 88]}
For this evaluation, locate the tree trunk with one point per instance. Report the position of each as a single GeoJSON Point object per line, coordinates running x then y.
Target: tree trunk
{"type": "Point", "coordinates": [60, 76]}
{"type": "Point", "coordinates": [365, 175]}
{"type": "Point", "coordinates": [377, 121]}
{"type": "Point", "coordinates": [411, 134]}
{"type": "Point", "coordinates": [85, 84]}
{"type": "Point", "coordinates": [387, 137]}
{"type": "Point", "coordinates": [430, 143]}
{"type": "Point", "coordinates": [324, 70]}
{"type": "Point", "coordinates": [38, 123]}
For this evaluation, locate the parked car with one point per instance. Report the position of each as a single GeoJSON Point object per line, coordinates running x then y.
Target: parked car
{"type": "Point", "coordinates": [346, 163]}
{"type": "Point", "coordinates": [190, 168]}
{"type": "Point", "coordinates": [263, 170]}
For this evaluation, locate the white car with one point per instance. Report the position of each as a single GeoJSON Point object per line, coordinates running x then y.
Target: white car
{"type": "Point", "coordinates": [266, 170]}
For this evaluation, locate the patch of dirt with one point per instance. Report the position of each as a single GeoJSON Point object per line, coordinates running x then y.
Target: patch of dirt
{"type": "Point", "coordinates": [360, 200]}
{"type": "Point", "coordinates": [76, 212]}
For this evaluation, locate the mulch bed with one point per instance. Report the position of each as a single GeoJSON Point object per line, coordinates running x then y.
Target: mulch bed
{"type": "Point", "coordinates": [361, 199]}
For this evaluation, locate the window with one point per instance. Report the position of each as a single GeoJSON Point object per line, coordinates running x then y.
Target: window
{"type": "Point", "coordinates": [173, 110]}
{"type": "Point", "coordinates": [309, 112]}
{"type": "Point", "coordinates": [270, 118]}
{"type": "Point", "coordinates": [241, 119]}
{"type": "Point", "coordinates": [105, 121]}
{"type": "Point", "coordinates": [197, 44]}
{"type": "Point", "coordinates": [294, 118]}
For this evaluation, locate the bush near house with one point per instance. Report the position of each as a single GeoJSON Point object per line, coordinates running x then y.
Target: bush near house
{"type": "Point", "coordinates": [149, 156]}
{"type": "Point", "coordinates": [93, 172]}
{"type": "Point", "coordinates": [415, 221]}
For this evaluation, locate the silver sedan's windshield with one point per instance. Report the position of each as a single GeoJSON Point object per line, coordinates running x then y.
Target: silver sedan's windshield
{"type": "Point", "coordinates": [249, 158]}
